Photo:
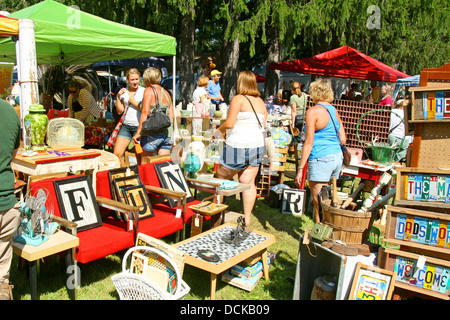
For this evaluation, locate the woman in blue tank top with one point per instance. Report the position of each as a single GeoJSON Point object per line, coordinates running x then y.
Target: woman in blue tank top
{"type": "Point", "coordinates": [322, 148]}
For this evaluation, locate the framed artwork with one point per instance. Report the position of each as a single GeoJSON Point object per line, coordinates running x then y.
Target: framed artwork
{"type": "Point", "coordinates": [120, 173]}
{"type": "Point", "coordinates": [137, 196]}
{"type": "Point", "coordinates": [372, 283]}
{"type": "Point", "coordinates": [171, 177]}
{"type": "Point", "coordinates": [139, 263]}
{"type": "Point", "coordinates": [293, 201]}
{"type": "Point", "coordinates": [142, 265]}
{"type": "Point", "coordinates": [77, 202]}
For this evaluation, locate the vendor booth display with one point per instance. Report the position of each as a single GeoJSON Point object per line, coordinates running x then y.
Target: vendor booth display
{"type": "Point", "coordinates": [418, 221]}
{"type": "Point", "coordinates": [92, 39]}
{"type": "Point", "coordinates": [344, 62]}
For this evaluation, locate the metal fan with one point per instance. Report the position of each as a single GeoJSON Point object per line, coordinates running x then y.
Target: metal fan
{"type": "Point", "coordinates": [36, 214]}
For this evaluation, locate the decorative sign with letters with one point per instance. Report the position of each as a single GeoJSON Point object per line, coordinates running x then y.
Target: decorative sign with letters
{"type": "Point", "coordinates": [77, 202]}
{"type": "Point", "coordinates": [171, 177]}
{"type": "Point", "coordinates": [122, 172]}
{"type": "Point", "coordinates": [372, 283]}
{"type": "Point", "coordinates": [137, 196]}
{"type": "Point", "coordinates": [293, 201]}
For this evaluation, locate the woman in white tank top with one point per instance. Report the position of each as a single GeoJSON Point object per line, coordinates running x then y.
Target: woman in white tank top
{"type": "Point", "coordinates": [244, 144]}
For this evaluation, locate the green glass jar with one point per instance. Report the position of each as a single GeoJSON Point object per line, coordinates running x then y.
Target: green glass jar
{"type": "Point", "coordinates": [36, 127]}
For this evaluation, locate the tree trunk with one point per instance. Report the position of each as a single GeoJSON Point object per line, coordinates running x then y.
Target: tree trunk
{"type": "Point", "coordinates": [274, 54]}
{"type": "Point", "coordinates": [230, 73]}
{"type": "Point", "coordinates": [185, 60]}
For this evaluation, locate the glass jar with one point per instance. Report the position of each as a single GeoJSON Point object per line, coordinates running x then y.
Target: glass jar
{"type": "Point", "coordinates": [36, 126]}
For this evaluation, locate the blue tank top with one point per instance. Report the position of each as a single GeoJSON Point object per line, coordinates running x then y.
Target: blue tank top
{"type": "Point", "coordinates": [326, 141]}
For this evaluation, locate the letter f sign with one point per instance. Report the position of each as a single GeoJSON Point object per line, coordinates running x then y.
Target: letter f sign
{"type": "Point", "coordinates": [74, 205]}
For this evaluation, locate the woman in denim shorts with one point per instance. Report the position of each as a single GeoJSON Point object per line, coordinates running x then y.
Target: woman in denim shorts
{"type": "Point", "coordinates": [322, 146]}
{"type": "Point", "coordinates": [159, 142]}
{"type": "Point", "coordinates": [128, 104]}
{"type": "Point", "coordinates": [244, 145]}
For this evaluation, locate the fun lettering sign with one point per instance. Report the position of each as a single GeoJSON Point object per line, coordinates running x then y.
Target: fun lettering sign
{"type": "Point", "coordinates": [425, 187]}
{"type": "Point", "coordinates": [429, 276]}
{"type": "Point", "coordinates": [436, 105]}
{"type": "Point", "coordinates": [423, 230]}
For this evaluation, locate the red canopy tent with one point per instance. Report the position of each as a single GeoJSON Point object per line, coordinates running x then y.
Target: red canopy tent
{"type": "Point", "coordinates": [8, 26]}
{"type": "Point", "coordinates": [344, 62]}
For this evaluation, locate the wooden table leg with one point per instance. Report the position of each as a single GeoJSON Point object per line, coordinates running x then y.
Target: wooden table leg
{"type": "Point", "coordinates": [213, 285]}
{"type": "Point", "coordinates": [216, 219]}
{"type": "Point", "coordinates": [70, 262]}
{"type": "Point", "coordinates": [265, 265]}
{"type": "Point", "coordinates": [33, 279]}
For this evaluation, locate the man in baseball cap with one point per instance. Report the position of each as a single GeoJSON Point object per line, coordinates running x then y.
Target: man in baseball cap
{"type": "Point", "coordinates": [214, 89]}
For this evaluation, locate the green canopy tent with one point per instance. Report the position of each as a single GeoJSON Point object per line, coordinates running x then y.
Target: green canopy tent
{"type": "Point", "coordinates": [65, 36]}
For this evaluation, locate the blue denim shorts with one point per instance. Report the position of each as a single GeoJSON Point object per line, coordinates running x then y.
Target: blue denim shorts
{"type": "Point", "coordinates": [322, 169]}
{"type": "Point", "coordinates": [127, 131]}
{"type": "Point", "coordinates": [241, 158]}
{"type": "Point", "coordinates": [155, 142]}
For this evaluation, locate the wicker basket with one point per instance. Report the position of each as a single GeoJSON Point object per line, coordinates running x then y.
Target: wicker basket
{"type": "Point", "coordinates": [350, 227]}
{"type": "Point", "coordinates": [131, 286]}
{"type": "Point", "coordinates": [107, 161]}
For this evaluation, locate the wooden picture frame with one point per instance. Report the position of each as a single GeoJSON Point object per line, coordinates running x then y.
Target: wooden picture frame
{"type": "Point", "coordinates": [122, 172]}
{"type": "Point", "coordinates": [293, 201]}
{"type": "Point", "coordinates": [172, 178]}
{"type": "Point", "coordinates": [137, 196]}
{"type": "Point", "coordinates": [77, 203]}
{"type": "Point", "coordinates": [372, 283]}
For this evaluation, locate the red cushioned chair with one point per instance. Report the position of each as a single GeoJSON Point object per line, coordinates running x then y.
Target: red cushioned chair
{"type": "Point", "coordinates": [162, 224]}
{"type": "Point", "coordinates": [99, 241]}
{"type": "Point", "coordinates": [150, 178]}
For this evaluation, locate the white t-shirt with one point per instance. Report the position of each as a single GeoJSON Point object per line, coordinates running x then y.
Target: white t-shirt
{"type": "Point", "coordinates": [133, 115]}
{"type": "Point", "coordinates": [198, 93]}
{"type": "Point", "coordinates": [397, 126]}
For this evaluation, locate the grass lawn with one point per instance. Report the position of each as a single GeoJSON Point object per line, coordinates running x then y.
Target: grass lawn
{"type": "Point", "coordinates": [96, 281]}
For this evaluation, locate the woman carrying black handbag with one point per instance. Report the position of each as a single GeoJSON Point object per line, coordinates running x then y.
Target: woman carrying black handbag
{"type": "Point", "coordinates": [156, 99]}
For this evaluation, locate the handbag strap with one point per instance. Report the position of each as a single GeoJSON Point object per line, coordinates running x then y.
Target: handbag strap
{"type": "Point", "coordinates": [156, 96]}
{"type": "Point", "coordinates": [254, 112]}
{"type": "Point", "coordinates": [337, 133]}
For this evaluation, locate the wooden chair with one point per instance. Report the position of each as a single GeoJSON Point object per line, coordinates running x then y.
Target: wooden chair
{"type": "Point", "coordinates": [272, 173]}
{"type": "Point", "coordinates": [96, 242]}
{"type": "Point", "coordinates": [163, 223]}
{"type": "Point", "coordinates": [150, 178]}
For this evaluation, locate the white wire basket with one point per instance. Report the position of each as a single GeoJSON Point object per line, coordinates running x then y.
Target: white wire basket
{"type": "Point", "coordinates": [132, 286]}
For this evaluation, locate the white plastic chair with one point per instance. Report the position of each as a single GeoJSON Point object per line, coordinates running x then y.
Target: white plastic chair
{"type": "Point", "coordinates": [131, 286]}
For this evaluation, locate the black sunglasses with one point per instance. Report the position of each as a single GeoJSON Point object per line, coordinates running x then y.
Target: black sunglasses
{"type": "Point", "coordinates": [73, 91]}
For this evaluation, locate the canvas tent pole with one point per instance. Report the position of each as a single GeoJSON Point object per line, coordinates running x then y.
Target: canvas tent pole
{"type": "Point", "coordinates": [174, 81]}
{"type": "Point", "coordinates": [27, 68]}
